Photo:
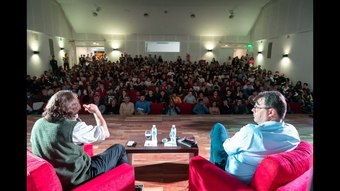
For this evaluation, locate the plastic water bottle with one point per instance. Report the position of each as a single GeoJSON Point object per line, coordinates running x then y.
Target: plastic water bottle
{"type": "Point", "coordinates": [173, 134]}
{"type": "Point", "coordinates": [154, 133]}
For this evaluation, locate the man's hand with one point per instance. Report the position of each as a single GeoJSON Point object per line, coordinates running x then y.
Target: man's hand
{"type": "Point", "coordinates": [91, 108]}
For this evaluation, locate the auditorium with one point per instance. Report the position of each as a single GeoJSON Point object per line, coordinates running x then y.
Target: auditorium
{"type": "Point", "coordinates": [169, 95]}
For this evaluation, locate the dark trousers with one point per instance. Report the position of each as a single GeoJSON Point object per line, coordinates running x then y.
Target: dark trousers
{"type": "Point", "coordinates": [66, 66]}
{"type": "Point", "coordinates": [107, 160]}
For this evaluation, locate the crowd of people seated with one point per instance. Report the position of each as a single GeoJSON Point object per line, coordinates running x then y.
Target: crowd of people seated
{"type": "Point", "coordinates": [130, 85]}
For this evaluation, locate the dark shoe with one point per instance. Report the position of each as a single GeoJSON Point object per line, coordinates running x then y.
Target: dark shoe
{"type": "Point", "coordinates": [139, 187]}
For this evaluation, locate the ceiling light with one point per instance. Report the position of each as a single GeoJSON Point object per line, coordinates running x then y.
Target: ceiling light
{"type": "Point", "coordinates": [231, 14]}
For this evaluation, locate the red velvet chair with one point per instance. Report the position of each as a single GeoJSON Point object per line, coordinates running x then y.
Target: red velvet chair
{"type": "Point", "coordinates": [281, 172]}
{"type": "Point", "coordinates": [295, 107]}
{"type": "Point", "coordinates": [156, 108]}
{"type": "Point", "coordinates": [186, 108]}
{"type": "Point", "coordinates": [41, 176]}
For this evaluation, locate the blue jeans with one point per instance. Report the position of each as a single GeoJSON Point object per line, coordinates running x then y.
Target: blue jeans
{"type": "Point", "coordinates": [218, 135]}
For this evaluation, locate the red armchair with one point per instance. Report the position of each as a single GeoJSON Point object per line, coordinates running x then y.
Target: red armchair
{"type": "Point", "coordinates": [285, 171]}
{"type": "Point", "coordinates": [41, 176]}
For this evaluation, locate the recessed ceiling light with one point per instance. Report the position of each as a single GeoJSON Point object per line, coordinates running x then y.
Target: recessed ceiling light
{"type": "Point", "coordinates": [231, 14]}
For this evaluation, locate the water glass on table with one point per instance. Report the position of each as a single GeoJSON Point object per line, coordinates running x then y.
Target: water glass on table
{"type": "Point", "coordinates": [147, 135]}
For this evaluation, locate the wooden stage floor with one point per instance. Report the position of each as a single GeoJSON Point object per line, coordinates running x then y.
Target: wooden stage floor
{"type": "Point", "coordinates": [168, 171]}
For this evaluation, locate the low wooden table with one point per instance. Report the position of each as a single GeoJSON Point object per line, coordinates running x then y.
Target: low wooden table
{"type": "Point", "coordinates": [160, 148]}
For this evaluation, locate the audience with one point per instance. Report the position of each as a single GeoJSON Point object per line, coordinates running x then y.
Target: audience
{"type": "Point", "coordinates": [182, 81]}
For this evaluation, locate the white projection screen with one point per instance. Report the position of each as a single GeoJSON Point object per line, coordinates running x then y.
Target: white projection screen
{"type": "Point", "coordinates": [162, 46]}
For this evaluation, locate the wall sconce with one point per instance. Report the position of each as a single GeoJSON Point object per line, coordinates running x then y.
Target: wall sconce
{"type": "Point", "coordinates": [35, 52]}
{"type": "Point", "coordinates": [61, 48]}
{"type": "Point", "coordinates": [209, 50]}
{"type": "Point", "coordinates": [115, 49]}
{"type": "Point", "coordinates": [259, 52]}
{"type": "Point", "coordinates": [285, 55]}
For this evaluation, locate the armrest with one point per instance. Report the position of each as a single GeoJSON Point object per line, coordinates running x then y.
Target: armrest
{"type": "Point", "coordinates": [88, 148]}
{"type": "Point", "coordinates": [121, 178]}
{"type": "Point", "coordinates": [303, 182]}
{"type": "Point", "coordinates": [205, 176]}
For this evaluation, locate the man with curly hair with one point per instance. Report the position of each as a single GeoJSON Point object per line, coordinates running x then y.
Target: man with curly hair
{"type": "Point", "coordinates": [59, 137]}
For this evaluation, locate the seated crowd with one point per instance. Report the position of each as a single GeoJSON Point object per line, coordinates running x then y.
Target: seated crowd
{"type": "Point", "coordinates": [131, 85]}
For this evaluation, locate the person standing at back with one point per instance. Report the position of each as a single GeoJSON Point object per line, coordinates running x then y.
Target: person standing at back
{"type": "Point", "coordinates": [66, 62]}
{"type": "Point", "coordinates": [54, 65]}
{"type": "Point", "coordinates": [59, 137]}
{"type": "Point", "coordinates": [240, 154]}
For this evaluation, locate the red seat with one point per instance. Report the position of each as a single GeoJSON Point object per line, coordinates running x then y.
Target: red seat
{"type": "Point", "coordinates": [186, 108]}
{"type": "Point", "coordinates": [156, 108]}
{"type": "Point", "coordinates": [88, 148]}
{"type": "Point", "coordinates": [132, 93]}
{"type": "Point", "coordinates": [295, 107]}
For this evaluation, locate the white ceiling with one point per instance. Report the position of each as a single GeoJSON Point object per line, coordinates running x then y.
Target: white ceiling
{"type": "Point", "coordinates": [173, 17]}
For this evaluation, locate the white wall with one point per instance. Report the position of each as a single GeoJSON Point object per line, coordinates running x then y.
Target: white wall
{"type": "Point", "coordinates": [288, 24]}
{"type": "Point", "coordinates": [38, 63]}
{"type": "Point", "coordinates": [46, 20]}
{"type": "Point", "coordinates": [196, 46]}
{"type": "Point", "coordinates": [47, 17]}
{"type": "Point", "coordinates": [298, 66]}
{"type": "Point", "coordinates": [224, 54]}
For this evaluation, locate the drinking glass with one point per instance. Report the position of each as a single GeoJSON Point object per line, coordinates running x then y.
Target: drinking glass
{"type": "Point", "coordinates": [147, 135]}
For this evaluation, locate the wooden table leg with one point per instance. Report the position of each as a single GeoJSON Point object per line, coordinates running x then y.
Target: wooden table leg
{"type": "Point", "coordinates": [193, 154]}
{"type": "Point", "coordinates": [129, 157]}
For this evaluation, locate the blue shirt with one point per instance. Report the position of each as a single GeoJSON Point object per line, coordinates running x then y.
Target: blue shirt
{"type": "Point", "coordinates": [143, 106]}
{"type": "Point", "coordinates": [252, 143]}
{"type": "Point", "coordinates": [200, 109]}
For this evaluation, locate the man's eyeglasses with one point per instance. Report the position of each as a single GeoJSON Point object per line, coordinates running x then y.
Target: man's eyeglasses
{"type": "Point", "coordinates": [258, 107]}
